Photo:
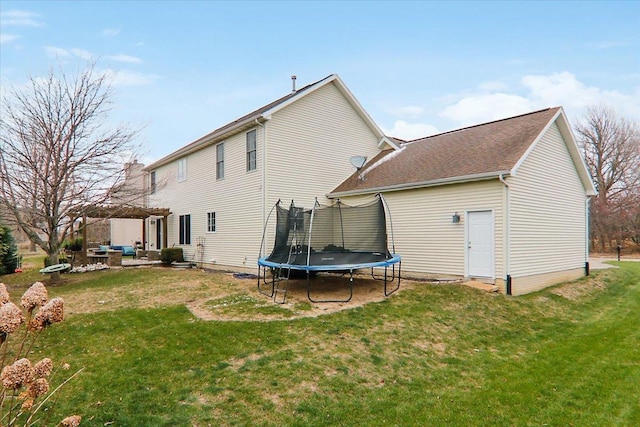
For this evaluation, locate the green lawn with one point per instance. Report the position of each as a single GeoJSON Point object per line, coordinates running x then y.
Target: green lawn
{"type": "Point", "coordinates": [428, 355]}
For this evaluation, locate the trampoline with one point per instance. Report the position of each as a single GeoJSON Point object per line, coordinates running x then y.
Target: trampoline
{"type": "Point", "coordinates": [331, 239]}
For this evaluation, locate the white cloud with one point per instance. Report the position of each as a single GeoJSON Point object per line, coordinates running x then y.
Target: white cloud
{"type": "Point", "coordinates": [409, 131]}
{"type": "Point", "coordinates": [83, 54]}
{"type": "Point", "coordinates": [566, 90]}
{"type": "Point", "coordinates": [559, 88]}
{"type": "Point", "coordinates": [493, 101]}
{"type": "Point", "coordinates": [486, 107]}
{"type": "Point", "coordinates": [130, 78]}
{"type": "Point", "coordinates": [110, 32]}
{"type": "Point", "coordinates": [57, 52]}
{"type": "Point", "coordinates": [8, 38]}
{"type": "Point", "coordinates": [120, 57]}
{"type": "Point", "coordinates": [20, 18]}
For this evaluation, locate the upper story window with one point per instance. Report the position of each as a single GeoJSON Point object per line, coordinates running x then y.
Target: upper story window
{"type": "Point", "coordinates": [182, 169]}
{"type": "Point", "coordinates": [152, 182]}
{"type": "Point", "coordinates": [220, 161]}
{"type": "Point", "coordinates": [185, 230]}
{"type": "Point", "coordinates": [251, 150]}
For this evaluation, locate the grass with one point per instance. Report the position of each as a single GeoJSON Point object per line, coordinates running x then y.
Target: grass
{"type": "Point", "coordinates": [428, 355]}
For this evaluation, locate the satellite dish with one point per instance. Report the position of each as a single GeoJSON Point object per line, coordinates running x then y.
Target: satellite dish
{"type": "Point", "coordinates": [358, 161]}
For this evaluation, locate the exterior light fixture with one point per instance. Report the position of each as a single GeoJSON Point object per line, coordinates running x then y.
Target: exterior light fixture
{"type": "Point", "coordinates": [455, 218]}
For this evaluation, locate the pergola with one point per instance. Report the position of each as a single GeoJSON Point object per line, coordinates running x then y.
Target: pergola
{"type": "Point", "coordinates": [125, 212]}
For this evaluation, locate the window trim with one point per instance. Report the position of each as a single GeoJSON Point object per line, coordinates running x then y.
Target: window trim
{"type": "Point", "coordinates": [252, 150]}
{"type": "Point", "coordinates": [220, 161]}
{"type": "Point", "coordinates": [152, 182]}
{"type": "Point", "coordinates": [184, 229]}
{"type": "Point", "coordinates": [210, 215]}
{"type": "Point", "coordinates": [182, 169]}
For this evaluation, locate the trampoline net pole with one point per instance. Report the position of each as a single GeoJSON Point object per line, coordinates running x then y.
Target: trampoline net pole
{"type": "Point", "coordinates": [341, 224]}
{"type": "Point", "coordinates": [313, 211]}
{"type": "Point", "coordinates": [388, 214]}
{"type": "Point", "coordinates": [264, 230]}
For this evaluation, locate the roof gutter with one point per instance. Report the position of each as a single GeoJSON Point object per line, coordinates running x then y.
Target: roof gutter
{"type": "Point", "coordinates": [415, 185]}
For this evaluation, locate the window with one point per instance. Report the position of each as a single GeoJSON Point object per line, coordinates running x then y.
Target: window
{"type": "Point", "coordinates": [251, 150]}
{"type": "Point", "coordinates": [182, 169]}
{"type": "Point", "coordinates": [220, 161]}
{"type": "Point", "coordinates": [211, 222]}
{"type": "Point", "coordinates": [153, 182]}
{"type": "Point", "coordinates": [185, 230]}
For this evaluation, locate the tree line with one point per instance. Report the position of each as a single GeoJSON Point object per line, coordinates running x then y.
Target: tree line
{"type": "Point", "coordinates": [611, 148]}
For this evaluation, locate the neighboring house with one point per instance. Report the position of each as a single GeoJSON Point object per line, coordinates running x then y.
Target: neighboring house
{"type": "Point", "coordinates": [221, 187]}
{"type": "Point", "coordinates": [505, 201]}
{"type": "Point", "coordinates": [128, 231]}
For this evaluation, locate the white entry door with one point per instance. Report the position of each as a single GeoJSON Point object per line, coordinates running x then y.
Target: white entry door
{"type": "Point", "coordinates": [480, 244]}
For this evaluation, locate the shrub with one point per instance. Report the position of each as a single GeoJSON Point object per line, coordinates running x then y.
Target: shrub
{"type": "Point", "coordinates": [169, 255]}
{"type": "Point", "coordinates": [8, 251]}
{"type": "Point", "coordinates": [73, 244]}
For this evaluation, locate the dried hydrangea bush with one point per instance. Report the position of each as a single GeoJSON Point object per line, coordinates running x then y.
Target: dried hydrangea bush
{"type": "Point", "coordinates": [25, 386]}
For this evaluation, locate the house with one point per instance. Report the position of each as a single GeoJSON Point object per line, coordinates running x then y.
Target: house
{"type": "Point", "coordinates": [221, 187]}
{"type": "Point", "coordinates": [128, 231]}
{"type": "Point", "coordinates": [505, 201]}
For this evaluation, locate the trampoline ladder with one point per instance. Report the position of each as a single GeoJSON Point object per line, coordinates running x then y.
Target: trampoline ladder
{"type": "Point", "coordinates": [280, 292]}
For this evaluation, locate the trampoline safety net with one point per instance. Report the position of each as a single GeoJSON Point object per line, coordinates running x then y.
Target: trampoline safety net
{"type": "Point", "coordinates": [331, 235]}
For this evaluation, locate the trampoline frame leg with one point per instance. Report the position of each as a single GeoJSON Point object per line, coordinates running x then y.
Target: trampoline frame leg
{"type": "Point", "coordinates": [330, 300]}
{"type": "Point", "coordinates": [263, 278]}
{"type": "Point", "coordinates": [387, 279]}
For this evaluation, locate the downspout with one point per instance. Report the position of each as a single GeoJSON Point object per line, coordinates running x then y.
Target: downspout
{"type": "Point", "coordinates": [264, 171]}
{"type": "Point", "coordinates": [586, 237]}
{"type": "Point", "coordinates": [507, 237]}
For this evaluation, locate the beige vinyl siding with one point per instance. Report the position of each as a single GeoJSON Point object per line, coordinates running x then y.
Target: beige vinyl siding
{"type": "Point", "coordinates": [425, 236]}
{"type": "Point", "coordinates": [308, 147]}
{"type": "Point", "coordinates": [309, 144]}
{"type": "Point", "coordinates": [125, 231]}
{"type": "Point", "coordinates": [547, 218]}
{"type": "Point", "coordinates": [536, 282]}
{"type": "Point", "coordinates": [236, 199]}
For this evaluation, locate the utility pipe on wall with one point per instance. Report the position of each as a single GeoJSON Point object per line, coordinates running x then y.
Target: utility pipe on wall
{"type": "Point", "coordinates": [507, 238]}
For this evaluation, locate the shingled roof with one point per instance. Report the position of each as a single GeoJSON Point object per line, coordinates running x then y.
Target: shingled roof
{"type": "Point", "coordinates": [473, 153]}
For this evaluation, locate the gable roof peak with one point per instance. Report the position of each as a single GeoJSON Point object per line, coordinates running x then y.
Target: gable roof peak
{"type": "Point", "coordinates": [483, 151]}
{"type": "Point", "coordinates": [261, 114]}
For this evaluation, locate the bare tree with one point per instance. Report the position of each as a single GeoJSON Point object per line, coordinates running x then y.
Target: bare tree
{"type": "Point", "coordinates": [59, 153]}
{"type": "Point", "coordinates": [611, 146]}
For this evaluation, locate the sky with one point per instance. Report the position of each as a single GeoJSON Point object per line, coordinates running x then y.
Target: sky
{"type": "Point", "coordinates": [184, 68]}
